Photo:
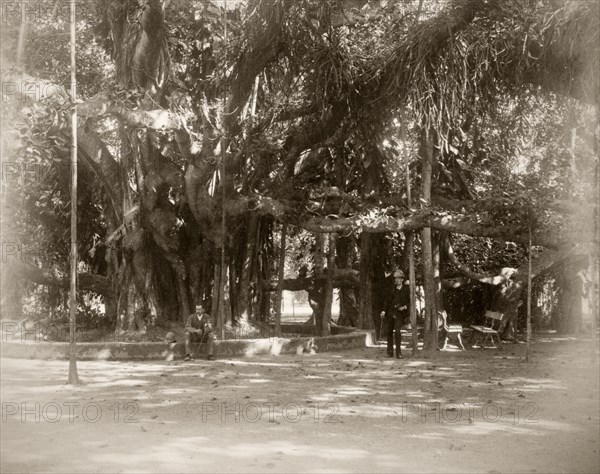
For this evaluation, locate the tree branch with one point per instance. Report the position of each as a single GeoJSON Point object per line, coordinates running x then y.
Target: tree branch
{"type": "Point", "coordinates": [86, 281]}
{"type": "Point", "coordinates": [490, 279]}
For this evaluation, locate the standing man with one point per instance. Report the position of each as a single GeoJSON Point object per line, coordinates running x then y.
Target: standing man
{"type": "Point", "coordinates": [199, 329]}
{"type": "Point", "coordinates": [396, 313]}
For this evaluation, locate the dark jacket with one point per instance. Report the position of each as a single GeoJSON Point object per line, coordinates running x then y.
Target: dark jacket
{"type": "Point", "coordinates": [196, 322]}
{"type": "Point", "coordinates": [397, 305]}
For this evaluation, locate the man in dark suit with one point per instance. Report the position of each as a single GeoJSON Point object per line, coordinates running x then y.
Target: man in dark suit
{"type": "Point", "coordinates": [198, 328]}
{"type": "Point", "coordinates": [396, 313]}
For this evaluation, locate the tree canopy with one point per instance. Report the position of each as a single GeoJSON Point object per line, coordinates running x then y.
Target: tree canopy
{"type": "Point", "coordinates": [305, 112]}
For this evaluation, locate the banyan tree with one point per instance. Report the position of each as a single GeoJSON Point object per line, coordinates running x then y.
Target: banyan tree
{"type": "Point", "coordinates": [208, 127]}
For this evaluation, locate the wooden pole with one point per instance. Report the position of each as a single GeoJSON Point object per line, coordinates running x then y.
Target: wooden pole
{"type": "Point", "coordinates": [527, 352]}
{"type": "Point", "coordinates": [280, 276]}
{"type": "Point", "coordinates": [223, 272]}
{"type": "Point", "coordinates": [73, 377]}
{"type": "Point", "coordinates": [410, 243]}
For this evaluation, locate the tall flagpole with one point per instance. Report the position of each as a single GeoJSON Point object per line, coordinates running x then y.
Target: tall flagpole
{"type": "Point", "coordinates": [73, 377]}
{"type": "Point", "coordinates": [223, 273]}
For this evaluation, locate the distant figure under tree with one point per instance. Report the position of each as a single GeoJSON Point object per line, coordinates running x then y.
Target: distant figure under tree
{"type": "Point", "coordinates": [396, 313]}
{"type": "Point", "coordinates": [198, 328]}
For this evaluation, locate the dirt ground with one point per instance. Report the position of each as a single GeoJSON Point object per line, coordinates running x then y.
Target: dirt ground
{"type": "Point", "coordinates": [356, 411]}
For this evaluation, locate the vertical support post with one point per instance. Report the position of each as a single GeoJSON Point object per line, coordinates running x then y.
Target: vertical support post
{"type": "Point", "coordinates": [223, 273]}
{"type": "Point", "coordinates": [222, 269]}
{"type": "Point", "coordinates": [426, 154]}
{"type": "Point", "coordinates": [73, 376]}
{"type": "Point", "coordinates": [410, 242]}
{"type": "Point", "coordinates": [410, 247]}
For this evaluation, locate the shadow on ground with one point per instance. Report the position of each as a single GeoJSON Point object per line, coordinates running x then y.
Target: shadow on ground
{"type": "Point", "coordinates": [479, 411]}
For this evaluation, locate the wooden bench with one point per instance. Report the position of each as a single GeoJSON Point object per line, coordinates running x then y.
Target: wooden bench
{"type": "Point", "coordinates": [490, 327]}
{"type": "Point", "coordinates": [455, 330]}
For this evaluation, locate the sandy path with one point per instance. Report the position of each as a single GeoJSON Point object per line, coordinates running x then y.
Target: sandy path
{"type": "Point", "coordinates": [480, 411]}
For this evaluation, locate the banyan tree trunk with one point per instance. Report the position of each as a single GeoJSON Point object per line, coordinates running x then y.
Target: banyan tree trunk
{"type": "Point", "coordinates": [323, 330]}
{"type": "Point", "coordinates": [316, 296]}
{"type": "Point", "coordinates": [220, 299]}
{"type": "Point", "coordinates": [380, 289]}
{"type": "Point", "coordinates": [348, 306]}
{"type": "Point", "coordinates": [437, 273]}
{"type": "Point", "coordinates": [244, 304]}
{"type": "Point", "coordinates": [12, 291]}
{"type": "Point", "coordinates": [366, 283]}
{"type": "Point", "coordinates": [570, 311]}
{"type": "Point", "coordinates": [263, 260]}
{"type": "Point", "coordinates": [280, 277]}
{"type": "Point", "coordinates": [426, 152]}
{"type": "Point", "coordinates": [200, 271]}
{"type": "Point", "coordinates": [429, 287]}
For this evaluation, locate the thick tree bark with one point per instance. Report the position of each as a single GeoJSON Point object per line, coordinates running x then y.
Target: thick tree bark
{"type": "Point", "coordinates": [264, 50]}
{"type": "Point", "coordinates": [366, 283]}
{"type": "Point", "coordinates": [426, 154]}
{"type": "Point", "coordinates": [97, 156]}
{"type": "Point", "coordinates": [215, 293]}
{"type": "Point", "coordinates": [263, 259]}
{"type": "Point", "coordinates": [280, 273]}
{"type": "Point", "coordinates": [323, 330]}
{"type": "Point", "coordinates": [430, 340]}
{"type": "Point", "coordinates": [437, 273]}
{"type": "Point", "coordinates": [316, 295]}
{"type": "Point", "coordinates": [569, 301]}
{"type": "Point", "coordinates": [11, 293]}
{"type": "Point", "coordinates": [139, 47]}
{"type": "Point", "coordinates": [148, 65]}
{"type": "Point", "coordinates": [348, 306]}
{"type": "Point", "coordinates": [86, 281]}
{"type": "Point", "coordinates": [244, 306]}
{"type": "Point", "coordinates": [427, 218]}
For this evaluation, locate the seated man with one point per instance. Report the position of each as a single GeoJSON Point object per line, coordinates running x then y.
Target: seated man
{"type": "Point", "coordinates": [199, 329]}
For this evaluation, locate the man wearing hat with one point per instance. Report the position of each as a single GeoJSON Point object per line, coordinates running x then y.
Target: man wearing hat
{"type": "Point", "coordinates": [199, 329]}
{"type": "Point", "coordinates": [396, 313]}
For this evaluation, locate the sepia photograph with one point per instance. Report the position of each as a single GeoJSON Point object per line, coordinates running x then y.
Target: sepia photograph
{"type": "Point", "coordinates": [300, 236]}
